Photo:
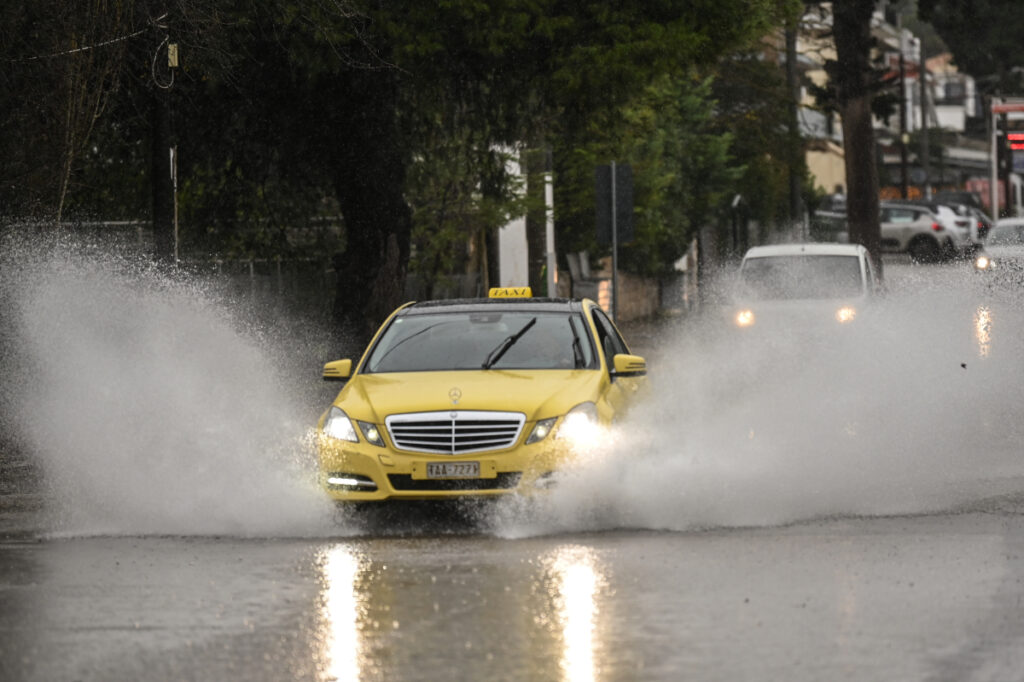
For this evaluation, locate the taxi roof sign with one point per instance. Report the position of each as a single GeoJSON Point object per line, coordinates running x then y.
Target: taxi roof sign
{"type": "Point", "coordinates": [510, 292]}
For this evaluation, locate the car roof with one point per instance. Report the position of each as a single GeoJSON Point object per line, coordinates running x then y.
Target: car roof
{"type": "Point", "coordinates": [923, 204]}
{"type": "Point", "coordinates": [493, 304]}
{"type": "Point", "coordinates": [810, 249]}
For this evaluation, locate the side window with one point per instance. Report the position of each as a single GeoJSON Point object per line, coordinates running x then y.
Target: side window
{"type": "Point", "coordinates": [898, 215]}
{"type": "Point", "coordinates": [607, 337]}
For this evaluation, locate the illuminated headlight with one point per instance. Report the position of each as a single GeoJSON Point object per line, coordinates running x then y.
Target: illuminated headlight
{"type": "Point", "coordinates": [580, 425]}
{"type": "Point", "coordinates": [745, 318]}
{"type": "Point", "coordinates": [371, 433]}
{"type": "Point", "coordinates": [339, 426]}
{"type": "Point", "coordinates": [541, 430]}
{"type": "Point", "coordinates": [983, 263]}
{"type": "Point", "coordinates": [846, 314]}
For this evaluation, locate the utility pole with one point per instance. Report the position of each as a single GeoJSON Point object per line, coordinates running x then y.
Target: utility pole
{"type": "Point", "coordinates": [795, 146]}
{"type": "Point", "coordinates": [162, 157]}
{"type": "Point", "coordinates": [904, 136]}
{"type": "Point", "coordinates": [922, 76]}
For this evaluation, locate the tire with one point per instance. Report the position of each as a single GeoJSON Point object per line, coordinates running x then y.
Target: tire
{"type": "Point", "coordinates": [924, 250]}
{"type": "Point", "coordinates": [949, 251]}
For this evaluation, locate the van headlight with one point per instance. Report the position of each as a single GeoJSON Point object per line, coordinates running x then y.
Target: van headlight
{"type": "Point", "coordinates": [846, 314]}
{"type": "Point", "coordinates": [745, 318]}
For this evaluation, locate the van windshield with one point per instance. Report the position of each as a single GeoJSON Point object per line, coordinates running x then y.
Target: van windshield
{"type": "Point", "coordinates": [801, 277]}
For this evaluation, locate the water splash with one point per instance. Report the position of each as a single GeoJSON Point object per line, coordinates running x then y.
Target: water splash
{"type": "Point", "coordinates": [915, 412]}
{"type": "Point", "coordinates": [149, 405]}
{"type": "Point", "coordinates": [155, 405]}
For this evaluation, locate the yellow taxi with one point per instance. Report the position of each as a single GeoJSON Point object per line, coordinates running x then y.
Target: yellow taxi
{"type": "Point", "coordinates": [474, 398]}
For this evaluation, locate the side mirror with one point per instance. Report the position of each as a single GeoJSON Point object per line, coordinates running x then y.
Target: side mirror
{"type": "Point", "coordinates": [629, 366]}
{"type": "Point", "coordinates": [338, 370]}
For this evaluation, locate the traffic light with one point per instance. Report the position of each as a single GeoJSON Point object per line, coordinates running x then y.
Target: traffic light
{"type": "Point", "coordinates": [1015, 147]}
{"type": "Point", "coordinates": [1004, 155]}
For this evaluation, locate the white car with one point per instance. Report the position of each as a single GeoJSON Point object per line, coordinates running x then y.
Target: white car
{"type": "Point", "coordinates": [928, 232]}
{"type": "Point", "coordinates": [1004, 251]}
{"type": "Point", "coordinates": [789, 285]}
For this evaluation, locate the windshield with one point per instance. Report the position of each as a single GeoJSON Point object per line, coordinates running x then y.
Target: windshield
{"type": "Point", "coordinates": [1007, 235]}
{"type": "Point", "coordinates": [801, 277]}
{"type": "Point", "coordinates": [467, 340]}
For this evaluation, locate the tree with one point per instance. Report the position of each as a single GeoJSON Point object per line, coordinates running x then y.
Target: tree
{"type": "Point", "coordinates": [61, 62]}
{"type": "Point", "coordinates": [854, 84]}
{"type": "Point", "coordinates": [984, 37]}
{"type": "Point", "coordinates": [338, 89]}
{"type": "Point", "coordinates": [680, 159]}
{"type": "Point", "coordinates": [756, 106]}
{"type": "Point", "coordinates": [282, 110]}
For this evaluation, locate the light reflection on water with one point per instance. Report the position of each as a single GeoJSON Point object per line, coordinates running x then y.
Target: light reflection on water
{"type": "Point", "coordinates": [569, 577]}
{"type": "Point", "coordinates": [576, 581]}
{"type": "Point", "coordinates": [342, 655]}
{"type": "Point", "coordinates": [983, 330]}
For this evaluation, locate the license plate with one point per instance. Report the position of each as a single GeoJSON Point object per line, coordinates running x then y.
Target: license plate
{"type": "Point", "coordinates": [453, 469]}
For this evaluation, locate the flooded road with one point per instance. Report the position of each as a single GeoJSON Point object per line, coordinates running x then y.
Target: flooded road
{"type": "Point", "coordinates": [802, 511]}
{"type": "Point", "coordinates": [926, 598]}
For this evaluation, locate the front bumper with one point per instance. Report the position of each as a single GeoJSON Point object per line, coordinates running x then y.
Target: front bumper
{"type": "Point", "coordinates": [360, 472]}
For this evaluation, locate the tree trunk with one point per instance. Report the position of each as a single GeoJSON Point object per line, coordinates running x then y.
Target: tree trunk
{"type": "Point", "coordinates": [535, 165]}
{"type": "Point", "coordinates": [369, 178]}
{"type": "Point", "coordinates": [852, 31]}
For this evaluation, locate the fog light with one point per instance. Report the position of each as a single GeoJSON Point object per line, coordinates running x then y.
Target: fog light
{"type": "Point", "coordinates": [745, 318]}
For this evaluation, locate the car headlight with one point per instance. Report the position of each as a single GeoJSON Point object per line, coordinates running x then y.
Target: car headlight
{"type": "Point", "coordinates": [745, 318]}
{"type": "Point", "coordinates": [541, 430]}
{"type": "Point", "coordinates": [846, 314]}
{"type": "Point", "coordinates": [983, 262]}
{"type": "Point", "coordinates": [338, 425]}
{"type": "Point", "coordinates": [371, 433]}
{"type": "Point", "coordinates": [580, 425]}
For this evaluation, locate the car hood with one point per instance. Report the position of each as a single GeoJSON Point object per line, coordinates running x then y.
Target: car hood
{"type": "Point", "coordinates": [1008, 251]}
{"type": "Point", "coordinates": [812, 312]}
{"type": "Point", "coordinates": [538, 394]}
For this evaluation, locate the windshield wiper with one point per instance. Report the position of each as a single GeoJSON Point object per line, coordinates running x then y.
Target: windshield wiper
{"type": "Point", "coordinates": [374, 364]}
{"type": "Point", "coordinates": [577, 348]}
{"type": "Point", "coordinates": [506, 343]}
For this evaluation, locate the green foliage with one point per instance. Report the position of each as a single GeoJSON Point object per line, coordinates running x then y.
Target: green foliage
{"type": "Point", "coordinates": [755, 106]}
{"type": "Point", "coordinates": [287, 113]}
{"type": "Point", "coordinates": [458, 194]}
{"type": "Point", "coordinates": [680, 172]}
{"type": "Point", "coordinates": [985, 38]}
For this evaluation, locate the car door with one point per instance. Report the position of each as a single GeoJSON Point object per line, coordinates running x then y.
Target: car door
{"type": "Point", "coordinates": [897, 226]}
{"type": "Point", "coordinates": [621, 390]}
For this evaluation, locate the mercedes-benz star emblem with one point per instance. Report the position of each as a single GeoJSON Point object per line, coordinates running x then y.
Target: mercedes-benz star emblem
{"type": "Point", "coordinates": [455, 394]}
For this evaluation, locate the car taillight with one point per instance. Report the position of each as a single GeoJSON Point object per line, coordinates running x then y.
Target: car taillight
{"type": "Point", "coordinates": [936, 227]}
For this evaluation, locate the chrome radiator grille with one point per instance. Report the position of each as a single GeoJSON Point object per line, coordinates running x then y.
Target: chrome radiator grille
{"type": "Point", "coordinates": [455, 432]}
